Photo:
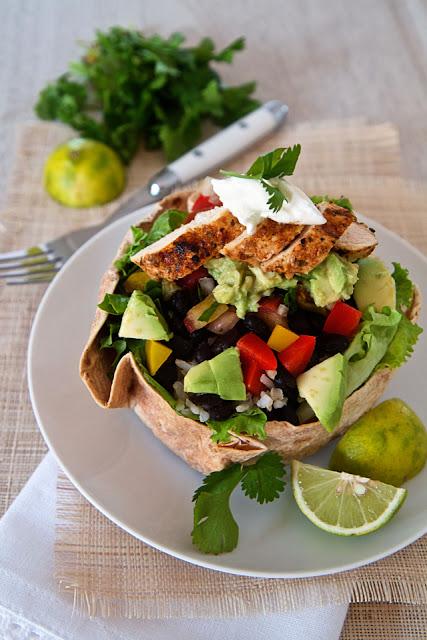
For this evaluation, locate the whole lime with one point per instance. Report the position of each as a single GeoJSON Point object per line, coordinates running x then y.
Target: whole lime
{"type": "Point", "coordinates": [388, 443]}
{"type": "Point", "coordinates": [83, 173]}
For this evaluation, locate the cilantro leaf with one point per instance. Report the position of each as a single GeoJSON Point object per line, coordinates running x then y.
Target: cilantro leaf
{"type": "Point", "coordinates": [215, 530]}
{"type": "Point", "coordinates": [250, 422]}
{"type": "Point", "coordinates": [263, 480]}
{"type": "Point", "coordinates": [275, 164]}
{"type": "Point", "coordinates": [114, 303]}
{"type": "Point", "coordinates": [277, 197]}
{"type": "Point", "coordinates": [404, 287]}
{"type": "Point", "coordinates": [341, 202]}
{"type": "Point", "coordinates": [129, 86]}
{"type": "Point", "coordinates": [402, 345]}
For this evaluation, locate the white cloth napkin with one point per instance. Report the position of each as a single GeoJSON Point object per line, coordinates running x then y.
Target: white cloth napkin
{"type": "Point", "coordinates": [32, 609]}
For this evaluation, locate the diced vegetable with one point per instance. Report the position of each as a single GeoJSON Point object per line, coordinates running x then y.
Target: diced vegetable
{"type": "Point", "coordinates": [202, 203]}
{"type": "Point", "coordinates": [224, 323]}
{"type": "Point", "coordinates": [281, 338]}
{"type": "Point", "coordinates": [296, 357]}
{"type": "Point", "coordinates": [271, 317]}
{"type": "Point", "coordinates": [342, 320]}
{"type": "Point", "coordinates": [271, 303]}
{"type": "Point", "coordinates": [252, 377]}
{"type": "Point", "coordinates": [136, 280]}
{"type": "Point", "coordinates": [191, 280]}
{"type": "Point", "coordinates": [203, 313]}
{"type": "Point", "coordinates": [156, 354]}
{"type": "Point", "coordinates": [251, 347]}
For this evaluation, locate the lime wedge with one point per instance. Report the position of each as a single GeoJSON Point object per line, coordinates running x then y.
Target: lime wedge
{"type": "Point", "coordinates": [341, 503]}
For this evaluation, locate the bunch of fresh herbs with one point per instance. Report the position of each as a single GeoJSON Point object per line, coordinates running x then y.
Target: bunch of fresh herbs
{"type": "Point", "coordinates": [129, 86]}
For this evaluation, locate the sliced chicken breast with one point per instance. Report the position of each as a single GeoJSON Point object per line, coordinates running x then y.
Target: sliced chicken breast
{"type": "Point", "coordinates": [312, 246]}
{"type": "Point", "coordinates": [269, 238]}
{"type": "Point", "coordinates": [188, 247]}
{"type": "Point", "coordinates": [358, 241]}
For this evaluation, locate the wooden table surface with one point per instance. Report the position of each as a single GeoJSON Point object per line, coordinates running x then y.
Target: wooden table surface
{"type": "Point", "coordinates": [327, 59]}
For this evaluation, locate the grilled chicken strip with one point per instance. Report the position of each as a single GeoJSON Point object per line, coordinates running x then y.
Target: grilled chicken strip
{"type": "Point", "coordinates": [184, 250]}
{"type": "Point", "coordinates": [269, 238]}
{"type": "Point", "coordinates": [358, 241]}
{"type": "Point", "coordinates": [313, 245]}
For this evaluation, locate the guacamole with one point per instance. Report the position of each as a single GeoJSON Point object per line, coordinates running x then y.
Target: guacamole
{"type": "Point", "coordinates": [332, 280]}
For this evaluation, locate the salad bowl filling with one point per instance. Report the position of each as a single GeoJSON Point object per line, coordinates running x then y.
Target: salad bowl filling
{"type": "Point", "coordinates": [248, 318]}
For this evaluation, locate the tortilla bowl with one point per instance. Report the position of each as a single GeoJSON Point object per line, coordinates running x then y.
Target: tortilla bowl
{"type": "Point", "coordinates": [187, 438]}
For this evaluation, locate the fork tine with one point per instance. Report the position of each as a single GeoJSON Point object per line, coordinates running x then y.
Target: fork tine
{"type": "Point", "coordinates": [30, 272]}
{"type": "Point", "coordinates": [45, 259]}
{"type": "Point", "coordinates": [47, 276]}
{"type": "Point", "coordinates": [23, 254]}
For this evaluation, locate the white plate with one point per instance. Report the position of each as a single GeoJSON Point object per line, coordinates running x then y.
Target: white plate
{"type": "Point", "coordinates": [124, 471]}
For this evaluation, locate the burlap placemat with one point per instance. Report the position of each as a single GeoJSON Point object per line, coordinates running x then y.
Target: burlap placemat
{"type": "Point", "coordinates": [89, 554]}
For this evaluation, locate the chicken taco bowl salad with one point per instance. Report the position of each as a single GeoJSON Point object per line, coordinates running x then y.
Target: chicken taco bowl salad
{"type": "Point", "coordinates": [247, 325]}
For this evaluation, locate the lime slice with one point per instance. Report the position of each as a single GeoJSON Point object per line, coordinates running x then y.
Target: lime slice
{"type": "Point", "coordinates": [341, 503]}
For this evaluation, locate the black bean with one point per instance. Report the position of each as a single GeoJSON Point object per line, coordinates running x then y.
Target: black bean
{"type": "Point", "coordinates": [217, 408]}
{"type": "Point", "coordinates": [229, 339]}
{"type": "Point", "coordinates": [182, 347]}
{"type": "Point", "coordinates": [253, 323]}
{"type": "Point", "coordinates": [202, 352]}
{"type": "Point", "coordinates": [284, 380]}
{"type": "Point", "coordinates": [286, 413]}
{"type": "Point", "coordinates": [167, 374]}
{"type": "Point", "coordinates": [181, 302]}
{"type": "Point", "coordinates": [305, 322]}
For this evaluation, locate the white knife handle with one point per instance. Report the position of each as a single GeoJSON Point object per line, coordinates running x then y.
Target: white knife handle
{"type": "Point", "coordinates": [218, 149]}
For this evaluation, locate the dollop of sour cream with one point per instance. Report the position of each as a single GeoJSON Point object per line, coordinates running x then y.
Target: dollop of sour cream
{"type": "Point", "coordinates": [248, 201]}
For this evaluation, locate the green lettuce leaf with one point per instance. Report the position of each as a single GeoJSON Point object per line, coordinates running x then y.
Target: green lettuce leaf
{"type": "Point", "coordinates": [341, 202]}
{"type": "Point", "coordinates": [402, 345]}
{"type": "Point", "coordinates": [242, 285]}
{"type": "Point", "coordinates": [114, 304]}
{"type": "Point", "coordinates": [370, 344]}
{"type": "Point", "coordinates": [250, 422]}
{"type": "Point", "coordinates": [404, 287]}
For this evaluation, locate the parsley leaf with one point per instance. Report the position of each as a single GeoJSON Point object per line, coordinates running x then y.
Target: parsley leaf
{"type": "Point", "coordinates": [129, 86]}
{"type": "Point", "coordinates": [250, 422]}
{"type": "Point", "coordinates": [275, 164]}
{"type": "Point", "coordinates": [341, 202]}
{"type": "Point", "coordinates": [263, 481]}
{"type": "Point", "coordinates": [114, 303]}
{"type": "Point", "coordinates": [404, 287]}
{"type": "Point", "coordinates": [215, 529]}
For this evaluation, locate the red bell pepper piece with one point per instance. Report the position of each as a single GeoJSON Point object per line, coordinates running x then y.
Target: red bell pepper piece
{"type": "Point", "coordinates": [269, 304]}
{"type": "Point", "coordinates": [251, 375]}
{"type": "Point", "coordinates": [202, 203]}
{"type": "Point", "coordinates": [342, 319]}
{"type": "Point", "coordinates": [190, 281]}
{"type": "Point", "coordinates": [296, 357]}
{"type": "Point", "coordinates": [253, 348]}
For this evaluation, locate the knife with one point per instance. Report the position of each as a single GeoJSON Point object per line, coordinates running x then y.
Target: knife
{"type": "Point", "coordinates": [208, 155]}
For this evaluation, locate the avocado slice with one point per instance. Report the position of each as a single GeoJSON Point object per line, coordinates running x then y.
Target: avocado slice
{"type": "Point", "coordinates": [324, 388]}
{"type": "Point", "coordinates": [221, 375]}
{"type": "Point", "coordinates": [375, 285]}
{"type": "Point", "coordinates": [143, 320]}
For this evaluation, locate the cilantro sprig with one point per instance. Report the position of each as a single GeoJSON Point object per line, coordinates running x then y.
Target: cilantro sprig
{"type": "Point", "coordinates": [128, 86]}
{"type": "Point", "coordinates": [272, 166]}
{"type": "Point", "coordinates": [215, 529]}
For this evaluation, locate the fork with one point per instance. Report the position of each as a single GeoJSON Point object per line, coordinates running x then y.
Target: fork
{"type": "Point", "coordinates": [42, 262]}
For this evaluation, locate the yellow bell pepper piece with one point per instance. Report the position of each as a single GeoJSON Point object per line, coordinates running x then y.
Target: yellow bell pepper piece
{"type": "Point", "coordinates": [136, 280]}
{"type": "Point", "coordinates": [281, 338]}
{"type": "Point", "coordinates": [156, 354]}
